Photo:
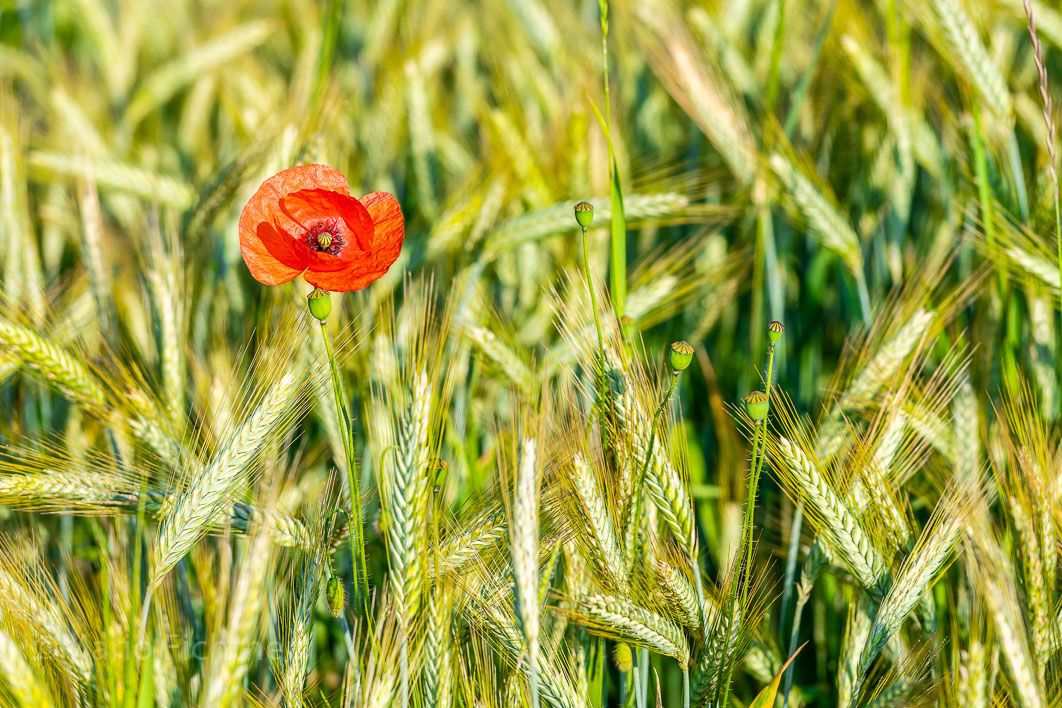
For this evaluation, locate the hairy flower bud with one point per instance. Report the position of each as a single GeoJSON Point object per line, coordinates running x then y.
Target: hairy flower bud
{"type": "Point", "coordinates": [335, 595]}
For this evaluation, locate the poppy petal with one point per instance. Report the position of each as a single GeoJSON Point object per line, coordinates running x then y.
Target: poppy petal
{"type": "Point", "coordinates": [271, 256]}
{"type": "Point", "coordinates": [387, 220]}
{"type": "Point", "coordinates": [387, 244]}
{"type": "Point", "coordinates": [358, 275]}
{"type": "Point", "coordinates": [265, 204]}
{"type": "Point", "coordinates": [308, 205]}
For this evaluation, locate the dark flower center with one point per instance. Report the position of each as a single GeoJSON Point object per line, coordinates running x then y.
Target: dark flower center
{"type": "Point", "coordinates": [325, 236]}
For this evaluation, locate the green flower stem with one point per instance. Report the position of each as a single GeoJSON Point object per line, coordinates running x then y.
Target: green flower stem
{"type": "Point", "coordinates": [597, 317]}
{"type": "Point", "coordinates": [759, 445]}
{"type": "Point", "coordinates": [656, 418]}
{"type": "Point", "coordinates": [593, 296]}
{"type": "Point", "coordinates": [1058, 240]}
{"type": "Point", "coordinates": [328, 537]}
{"type": "Point", "coordinates": [754, 478]}
{"type": "Point", "coordinates": [357, 538]}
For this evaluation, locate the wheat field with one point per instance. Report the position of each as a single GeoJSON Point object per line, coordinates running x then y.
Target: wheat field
{"type": "Point", "coordinates": [681, 353]}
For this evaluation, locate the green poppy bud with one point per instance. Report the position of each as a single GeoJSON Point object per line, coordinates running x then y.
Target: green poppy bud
{"type": "Point", "coordinates": [774, 331]}
{"type": "Point", "coordinates": [681, 355]}
{"type": "Point", "coordinates": [320, 302]}
{"type": "Point", "coordinates": [756, 405]}
{"type": "Point", "coordinates": [621, 655]}
{"type": "Point", "coordinates": [584, 214]}
{"type": "Point", "coordinates": [335, 596]}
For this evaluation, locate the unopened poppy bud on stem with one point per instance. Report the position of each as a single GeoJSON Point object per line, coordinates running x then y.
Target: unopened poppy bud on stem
{"type": "Point", "coordinates": [756, 405]}
{"type": "Point", "coordinates": [774, 331]}
{"type": "Point", "coordinates": [584, 214]}
{"type": "Point", "coordinates": [335, 596]}
{"type": "Point", "coordinates": [320, 302]}
{"type": "Point", "coordinates": [681, 355]}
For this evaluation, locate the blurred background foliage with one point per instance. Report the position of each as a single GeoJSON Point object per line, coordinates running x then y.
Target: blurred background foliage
{"type": "Point", "coordinates": [831, 164]}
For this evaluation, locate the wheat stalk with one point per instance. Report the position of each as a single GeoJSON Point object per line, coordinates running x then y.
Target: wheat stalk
{"type": "Point", "coordinates": [53, 364]}
{"type": "Point", "coordinates": [92, 243]}
{"type": "Point", "coordinates": [229, 662]}
{"type": "Point", "coordinates": [663, 481]}
{"type": "Point", "coordinates": [168, 79]}
{"type": "Point", "coordinates": [831, 228]}
{"type": "Point", "coordinates": [1049, 124]}
{"type": "Point", "coordinates": [1038, 597]}
{"type": "Point", "coordinates": [486, 611]}
{"type": "Point", "coordinates": [972, 676]}
{"type": "Point", "coordinates": [555, 219]}
{"type": "Point", "coordinates": [167, 288]}
{"type": "Point", "coordinates": [913, 580]}
{"type": "Point", "coordinates": [19, 678]}
{"type": "Point", "coordinates": [23, 606]}
{"type": "Point", "coordinates": [595, 517]}
{"type": "Point", "coordinates": [965, 47]}
{"type": "Point", "coordinates": [299, 623]}
{"type": "Point", "coordinates": [213, 486]}
{"type": "Point", "coordinates": [849, 542]}
{"type": "Point", "coordinates": [438, 652]}
{"type": "Point", "coordinates": [405, 501]}
{"type": "Point", "coordinates": [1000, 597]}
{"type": "Point", "coordinates": [508, 361]}
{"type": "Point", "coordinates": [625, 620]}
{"type": "Point", "coordinates": [720, 651]}
{"type": "Point", "coordinates": [524, 533]}
{"type": "Point", "coordinates": [872, 377]}
{"type": "Point", "coordinates": [682, 595]}
{"type": "Point", "coordinates": [481, 534]}
{"type": "Point", "coordinates": [115, 175]}
{"type": "Point", "coordinates": [875, 477]}
{"type": "Point", "coordinates": [705, 98]}
{"type": "Point", "coordinates": [849, 674]}
{"type": "Point", "coordinates": [61, 490]}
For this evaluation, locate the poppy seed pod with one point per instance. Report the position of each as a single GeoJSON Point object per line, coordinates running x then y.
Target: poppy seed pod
{"type": "Point", "coordinates": [320, 302]}
{"type": "Point", "coordinates": [756, 405]}
{"type": "Point", "coordinates": [774, 331]}
{"type": "Point", "coordinates": [681, 355]}
{"type": "Point", "coordinates": [584, 214]}
{"type": "Point", "coordinates": [621, 655]}
{"type": "Point", "coordinates": [335, 596]}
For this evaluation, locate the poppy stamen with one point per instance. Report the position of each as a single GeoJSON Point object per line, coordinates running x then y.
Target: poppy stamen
{"type": "Point", "coordinates": [324, 237]}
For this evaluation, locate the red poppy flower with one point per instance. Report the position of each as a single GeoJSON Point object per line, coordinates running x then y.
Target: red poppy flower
{"type": "Point", "coordinates": [304, 221]}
